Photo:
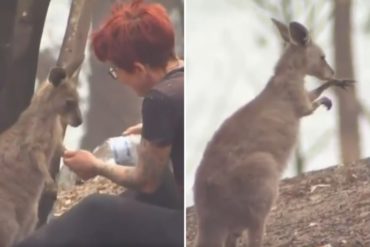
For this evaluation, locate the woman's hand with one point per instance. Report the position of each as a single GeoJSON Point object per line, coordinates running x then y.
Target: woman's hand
{"type": "Point", "coordinates": [82, 162]}
{"type": "Point", "coordinates": [133, 130]}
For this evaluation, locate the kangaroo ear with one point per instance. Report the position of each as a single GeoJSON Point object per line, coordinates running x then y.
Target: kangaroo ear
{"type": "Point", "coordinates": [283, 29]}
{"type": "Point", "coordinates": [299, 34]}
{"type": "Point", "coordinates": [56, 75]}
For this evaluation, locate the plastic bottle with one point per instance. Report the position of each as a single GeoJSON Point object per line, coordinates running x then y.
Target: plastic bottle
{"type": "Point", "coordinates": [119, 150]}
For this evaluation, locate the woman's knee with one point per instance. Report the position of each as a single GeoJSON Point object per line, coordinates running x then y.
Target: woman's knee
{"type": "Point", "coordinates": [96, 202]}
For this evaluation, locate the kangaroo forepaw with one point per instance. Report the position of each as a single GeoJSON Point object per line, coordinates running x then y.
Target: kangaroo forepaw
{"type": "Point", "coordinates": [344, 84]}
{"type": "Point", "coordinates": [325, 101]}
{"type": "Point", "coordinates": [50, 185]}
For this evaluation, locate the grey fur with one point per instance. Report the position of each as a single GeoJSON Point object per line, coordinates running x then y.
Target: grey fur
{"type": "Point", "coordinates": [237, 181]}
{"type": "Point", "coordinates": [26, 149]}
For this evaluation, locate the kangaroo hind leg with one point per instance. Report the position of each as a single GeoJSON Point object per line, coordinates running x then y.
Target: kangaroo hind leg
{"type": "Point", "coordinates": [210, 234]}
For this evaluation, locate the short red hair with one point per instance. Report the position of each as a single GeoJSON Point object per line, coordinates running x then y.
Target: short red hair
{"type": "Point", "coordinates": [135, 32]}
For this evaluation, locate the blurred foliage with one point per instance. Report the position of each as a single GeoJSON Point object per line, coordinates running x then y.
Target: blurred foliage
{"type": "Point", "coordinates": [313, 13]}
{"type": "Point", "coordinates": [366, 24]}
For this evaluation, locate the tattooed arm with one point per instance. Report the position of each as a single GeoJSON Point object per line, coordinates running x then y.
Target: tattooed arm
{"type": "Point", "coordinates": [146, 175]}
{"type": "Point", "coordinates": [160, 123]}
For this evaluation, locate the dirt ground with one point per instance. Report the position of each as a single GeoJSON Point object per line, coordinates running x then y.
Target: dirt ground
{"type": "Point", "coordinates": [68, 198]}
{"type": "Point", "coordinates": [326, 208]}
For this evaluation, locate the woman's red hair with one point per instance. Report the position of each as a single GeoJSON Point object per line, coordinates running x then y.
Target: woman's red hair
{"type": "Point", "coordinates": [135, 32]}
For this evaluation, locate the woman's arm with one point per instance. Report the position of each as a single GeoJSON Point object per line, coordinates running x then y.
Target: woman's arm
{"type": "Point", "coordinates": [146, 175]}
{"type": "Point", "coordinates": [133, 130]}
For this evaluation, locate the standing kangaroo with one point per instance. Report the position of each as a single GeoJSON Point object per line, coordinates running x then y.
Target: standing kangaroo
{"type": "Point", "coordinates": [26, 149]}
{"type": "Point", "coordinates": [237, 180]}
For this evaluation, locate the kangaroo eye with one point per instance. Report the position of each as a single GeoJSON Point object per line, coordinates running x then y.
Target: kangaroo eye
{"type": "Point", "coordinates": [323, 57]}
{"type": "Point", "coordinates": [70, 104]}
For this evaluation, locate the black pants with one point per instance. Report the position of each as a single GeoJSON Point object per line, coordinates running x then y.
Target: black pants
{"type": "Point", "coordinates": [131, 219]}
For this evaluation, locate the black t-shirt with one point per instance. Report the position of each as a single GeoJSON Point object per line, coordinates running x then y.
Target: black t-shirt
{"type": "Point", "coordinates": [163, 118]}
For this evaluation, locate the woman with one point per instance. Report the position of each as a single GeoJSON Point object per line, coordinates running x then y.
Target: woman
{"type": "Point", "coordinates": [137, 40]}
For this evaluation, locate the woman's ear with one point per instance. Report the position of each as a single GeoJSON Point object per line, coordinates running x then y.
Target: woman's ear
{"type": "Point", "coordinates": [139, 68]}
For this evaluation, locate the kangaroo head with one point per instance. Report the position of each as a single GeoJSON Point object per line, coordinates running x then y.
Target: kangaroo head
{"type": "Point", "coordinates": [63, 97]}
{"type": "Point", "coordinates": [297, 36]}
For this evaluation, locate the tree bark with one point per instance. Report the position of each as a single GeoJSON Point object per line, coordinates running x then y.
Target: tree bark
{"type": "Point", "coordinates": [71, 53]}
{"type": "Point", "coordinates": [348, 110]}
{"type": "Point", "coordinates": [73, 48]}
{"type": "Point", "coordinates": [19, 49]}
{"type": "Point", "coordinates": [8, 12]}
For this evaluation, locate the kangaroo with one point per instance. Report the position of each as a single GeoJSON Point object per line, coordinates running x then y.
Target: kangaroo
{"type": "Point", "coordinates": [237, 180]}
{"type": "Point", "coordinates": [26, 149]}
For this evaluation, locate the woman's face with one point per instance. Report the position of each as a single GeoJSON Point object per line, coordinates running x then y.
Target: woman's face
{"type": "Point", "coordinates": [139, 79]}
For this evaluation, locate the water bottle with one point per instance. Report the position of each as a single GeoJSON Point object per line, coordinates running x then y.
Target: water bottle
{"type": "Point", "coordinates": [119, 150]}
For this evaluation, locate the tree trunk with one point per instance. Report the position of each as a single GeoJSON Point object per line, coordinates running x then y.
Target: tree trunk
{"type": "Point", "coordinates": [8, 12]}
{"type": "Point", "coordinates": [71, 53]}
{"type": "Point", "coordinates": [348, 105]}
{"type": "Point", "coordinates": [20, 36]}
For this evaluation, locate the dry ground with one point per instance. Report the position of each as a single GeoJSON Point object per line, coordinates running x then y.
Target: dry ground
{"type": "Point", "coordinates": [68, 198]}
{"type": "Point", "coordinates": [326, 208]}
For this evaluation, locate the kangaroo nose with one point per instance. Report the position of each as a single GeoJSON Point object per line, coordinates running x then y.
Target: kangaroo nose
{"type": "Point", "coordinates": [332, 72]}
{"type": "Point", "coordinates": [77, 122]}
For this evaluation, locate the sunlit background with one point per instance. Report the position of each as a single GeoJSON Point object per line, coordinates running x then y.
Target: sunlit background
{"type": "Point", "coordinates": [231, 49]}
